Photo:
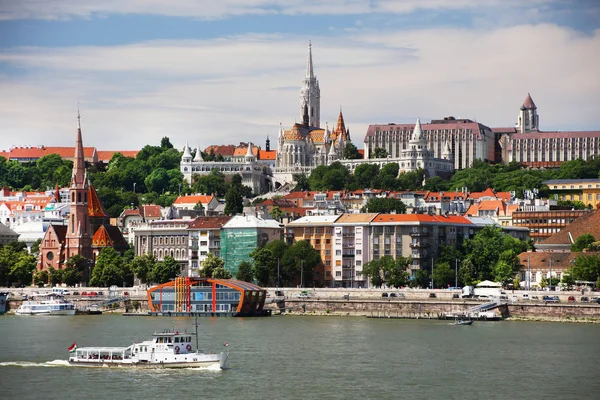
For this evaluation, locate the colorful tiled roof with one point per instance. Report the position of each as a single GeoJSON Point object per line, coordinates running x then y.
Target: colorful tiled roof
{"type": "Point", "coordinates": [241, 151]}
{"type": "Point", "coordinates": [150, 211]}
{"type": "Point", "coordinates": [108, 236]}
{"type": "Point", "coordinates": [95, 208]}
{"type": "Point", "coordinates": [31, 152]}
{"type": "Point", "coordinates": [225, 150]}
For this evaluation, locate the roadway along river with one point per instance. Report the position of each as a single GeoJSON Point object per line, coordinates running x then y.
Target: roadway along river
{"type": "Point", "coordinates": [295, 357]}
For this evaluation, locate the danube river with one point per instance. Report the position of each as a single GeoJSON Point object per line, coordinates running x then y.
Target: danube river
{"type": "Point", "coordinates": [295, 357]}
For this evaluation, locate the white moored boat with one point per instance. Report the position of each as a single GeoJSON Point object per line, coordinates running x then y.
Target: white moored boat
{"type": "Point", "coordinates": [164, 350]}
{"type": "Point", "coordinates": [50, 304]}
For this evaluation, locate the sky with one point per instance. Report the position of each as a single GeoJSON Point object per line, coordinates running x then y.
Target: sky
{"type": "Point", "coordinates": [221, 72]}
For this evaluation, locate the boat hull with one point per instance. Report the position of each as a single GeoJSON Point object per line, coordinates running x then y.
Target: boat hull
{"type": "Point", "coordinates": [203, 361]}
{"type": "Point", "coordinates": [53, 312]}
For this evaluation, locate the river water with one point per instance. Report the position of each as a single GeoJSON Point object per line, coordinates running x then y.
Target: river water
{"type": "Point", "coordinates": [296, 357]}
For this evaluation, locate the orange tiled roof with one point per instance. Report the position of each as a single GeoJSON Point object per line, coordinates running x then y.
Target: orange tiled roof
{"type": "Point", "coordinates": [30, 152]}
{"type": "Point", "coordinates": [194, 199]}
{"type": "Point", "coordinates": [106, 155]}
{"type": "Point", "coordinates": [429, 196]}
{"type": "Point", "coordinates": [108, 236]}
{"type": "Point", "coordinates": [267, 155]}
{"type": "Point", "coordinates": [587, 223]}
{"type": "Point", "coordinates": [5, 154]}
{"type": "Point", "coordinates": [241, 151]}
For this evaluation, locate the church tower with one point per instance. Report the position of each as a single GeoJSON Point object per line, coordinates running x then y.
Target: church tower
{"type": "Point", "coordinates": [78, 239]}
{"type": "Point", "coordinates": [528, 117]}
{"type": "Point", "coordinates": [310, 95]}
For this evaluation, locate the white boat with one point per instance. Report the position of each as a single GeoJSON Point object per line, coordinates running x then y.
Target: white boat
{"type": "Point", "coordinates": [50, 304]}
{"type": "Point", "coordinates": [164, 350]}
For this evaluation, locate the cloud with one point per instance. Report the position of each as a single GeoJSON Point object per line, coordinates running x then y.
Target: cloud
{"type": "Point", "coordinates": [240, 88]}
{"type": "Point", "coordinates": [210, 9]}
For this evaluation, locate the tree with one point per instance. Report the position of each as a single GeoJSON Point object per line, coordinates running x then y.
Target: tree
{"type": "Point", "coordinates": [379, 152]}
{"type": "Point", "coordinates": [276, 213]}
{"type": "Point", "coordinates": [385, 206]}
{"type": "Point", "coordinates": [298, 263]}
{"type": "Point", "coordinates": [165, 143]}
{"type": "Point", "coordinates": [71, 276]}
{"type": "Point", "coordinates": [302, 183]}
{"type": "Point", "coordinates": [211, 263]}
{"type": "Point", "coordinates": [81, 265]}
{"type": "Point", "coordinates": [199, 207]}
{"type": "Point", "coordinates": [165, 270]}
{"type": "Point", "coordinates": [351, 152]}
{"type": "Point", "coordinates": [221, 273]}
{"type": "Point", "coordinates": [22, 269]}
{"type": "Point", "coordinates": [35, 247]}
{"type": "Point", "coordinates": [234, 203]}
{"type": "Point", "coordinates": [109, 269]}
{"type": "Point", "coordinates": [586, 267]}
{"type": "Point", "coordinates": [264, 265]}
{"type": "Point", "coordinates": [365, 175]}
{"type": "Point", "coordinates": [142, 266]}
{"type": "Point", "coordinates": [421, 279]}
{"type": "Point", "coordinates": [582, 242]}
{"type": "Point", "coordinates": [244, 272]}
{"type": "Point", "coordinates": [443, 275]}
{"type": "Point", "coordinates": [40, 278]}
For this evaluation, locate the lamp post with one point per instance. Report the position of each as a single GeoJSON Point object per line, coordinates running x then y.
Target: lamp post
{"type": "Point", "coordinates": [528, 272]}
{"type": "Point", "coordinates": [301, 273]}
{"type": "Point", "coordinates": [550, 274]}
{"type": "Point", "coordinates": [456, 272]}
{"type": "Point", "coordinates": [134, 183]}
{"type": "Point", "coordinates": [431, 273]}
{"type": "Point", "coordinates": [278, 273]}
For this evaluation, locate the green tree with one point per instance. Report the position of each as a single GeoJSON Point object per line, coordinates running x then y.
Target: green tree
{"type": "Point", "coordinates": [165, 270]}
{"type": "Point", "coordinates": [35, 247]}
{"type": "Point", "coordinates": [582, 242]}
{"type": "Point", "coordinates": [81, 265]}
{"type": "Point", "coordinates": [234, 203]}
{"type": "Point", "coordinates": [421, 279]}
{"type": "Point", "coordinates": [365, 175]}
{"type": "Point", "coordinates": [211, 263]}
{"type": "Point", "coordinates": [244, 272]}
{"type": "Point", "coordinates": [586, 267]}
{"type": "Point", "coordinates": [443, 275]}
{"type": "Point", "coordinates": [22, 270]}
{"type": "Point", "coordinates": [221, 273]}
{"type": "Point", "coordinates": [165, 143]}
{"type": "Point", "coordinates": [142, 265]}
{"type": "Point", "coordinates": [110, 269]}
{"type": "Point", "coordinates": [199, 207]}
{"type": "Point", "coordinates": [213, 183]}
{"type": "Point", "coordinates": [71, 276]}
{"type": "Point", "coordinates": [264, 265]}
{"type": "Point", "coordinates": [40, 278]}
{"type": "Point", "coordinates": [302, 183]}
{"type": "Point", "coordinates": [298, 264]}
{"type": "Point", "coordinates": [276, 213]}
{"type": "Point", "coordinates": [351, 152]}
{"type": "Point", "coordinates": [378, 152]}
{"type": "Point", "coordinates": [385, 206]}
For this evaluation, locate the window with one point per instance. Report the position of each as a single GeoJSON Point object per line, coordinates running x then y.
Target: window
{"type": "Point", "coordinates": [338, 252]}
{"type": "Point", "coordinates": [358, 252]}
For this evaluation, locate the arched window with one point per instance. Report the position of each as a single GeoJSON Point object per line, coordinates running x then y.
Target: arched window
{"type": "Point", "coordinates": [79, 197]}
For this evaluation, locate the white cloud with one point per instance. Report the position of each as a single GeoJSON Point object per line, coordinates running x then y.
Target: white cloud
{"type": "Point", "coordinates": [239, 88]}
{"type": "Point", "coordinates": [209, 9]}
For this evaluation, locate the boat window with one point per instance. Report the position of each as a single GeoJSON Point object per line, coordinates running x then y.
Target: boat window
{"type": "Point", "coordinates": [170, 340]}
{"type": "Point", "coordinates": [176, 340]}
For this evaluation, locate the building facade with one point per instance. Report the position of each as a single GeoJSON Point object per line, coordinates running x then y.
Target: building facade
{"type": "Point", "coordinates": [586, 191]}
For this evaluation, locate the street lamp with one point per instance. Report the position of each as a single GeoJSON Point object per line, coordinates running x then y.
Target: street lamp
{"type": "Point", "coordinates": [301, 273]}
{"type": "Point", "coordinates": [456, 272]}
{"type": "Point", "coordinates": [134, 183]}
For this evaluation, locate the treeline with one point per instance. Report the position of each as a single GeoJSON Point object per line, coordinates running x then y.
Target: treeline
{"type": "Point", "coordinates": [500, 177]}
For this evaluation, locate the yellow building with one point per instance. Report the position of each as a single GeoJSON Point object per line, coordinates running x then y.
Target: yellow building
{"type": "Point", "coordinates": [585, 190]}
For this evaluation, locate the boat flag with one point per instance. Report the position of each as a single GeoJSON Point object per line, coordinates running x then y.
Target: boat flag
{"type": "Point", "coordinates": [225, 344]}
{"type": "Point", "coordinates": [73, 347]}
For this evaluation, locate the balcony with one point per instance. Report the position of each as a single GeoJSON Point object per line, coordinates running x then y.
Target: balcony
{"type": "Point", "coordinates": [348, 254]}
{"type": "Point", "coordinates": [418, 245]}
{"type": "Point", "coordinates": [419, 233]}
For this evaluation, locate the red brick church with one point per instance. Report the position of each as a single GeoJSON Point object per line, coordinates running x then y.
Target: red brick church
{"type": "Point", "coordinates": [87, 230]}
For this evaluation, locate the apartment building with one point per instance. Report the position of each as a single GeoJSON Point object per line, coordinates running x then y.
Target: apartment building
{"type": "Point", "coordinates": [204, 238]}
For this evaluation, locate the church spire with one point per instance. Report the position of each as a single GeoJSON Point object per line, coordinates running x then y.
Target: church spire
{"type": "Point", "coordinates": [78, 177]}
{"type": "Point", "coordinates": [309, 65]}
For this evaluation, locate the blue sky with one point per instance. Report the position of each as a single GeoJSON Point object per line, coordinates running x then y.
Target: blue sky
{"type": "Point", "coordinates": [208, 72]}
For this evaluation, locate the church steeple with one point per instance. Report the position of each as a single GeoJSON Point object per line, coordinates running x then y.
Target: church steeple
{"type": "Point", "coordinates": [309, 65]}
{"type": "Point", "coordinates": [310, 95]}
{"type": "Point", "coordinates": [78, 239]}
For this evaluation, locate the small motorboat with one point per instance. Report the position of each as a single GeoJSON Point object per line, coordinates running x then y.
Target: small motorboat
{"type": "Point", "coordinates": [463, 322]}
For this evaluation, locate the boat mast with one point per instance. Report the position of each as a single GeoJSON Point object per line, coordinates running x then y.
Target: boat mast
{"type": "Point", "coordinates": [196, 323]}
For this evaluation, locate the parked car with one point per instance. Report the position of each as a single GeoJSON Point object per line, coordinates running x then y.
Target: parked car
{"type": "Point", "coordinates": [125, 293]}
{"type": "Point", "coordinates": [525, 296]}
{"type": "Point", "coordinates": [392, 294]}
{"type": "Point", "coordinates": [76, 293]}
{"type": "Point", "coordinates": [384, 294]}
{"type": "Point", "coordinates": [346, 296]}
{"type": "Point", "coordinates": [455, 296]}
{"type": "Point", "coordinates": [534, 298]}
{"type": "Point", "coordinates": [585, 299]}
{"type": "Point", "coordinates": [302, 295]}
{"type": "Point", "coordinates": [571, 299]}
{"type": "Point", "coordinates": [432, 295]}
{"type": "Point", "coordinates": [84, 293]}
{"type": "Point", "coordinates": [551, 299]}
{"type": "Point", "coordinates": [100, 293]}
{"type": "Point", "coordinates": [594, 299]}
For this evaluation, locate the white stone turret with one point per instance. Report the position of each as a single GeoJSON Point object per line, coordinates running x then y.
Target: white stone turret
{"type": "Point", "coordinates": [187, 155]}
{"type": "Point", "coordinates": [198, 156]}
{"type": "Point", "coordinates": [418, 136]}
{"type": "Point", "coordinates": [528, 117]}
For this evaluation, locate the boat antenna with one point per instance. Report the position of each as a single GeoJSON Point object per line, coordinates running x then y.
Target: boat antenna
{"type": "Point", "coordinates": [196, 324]}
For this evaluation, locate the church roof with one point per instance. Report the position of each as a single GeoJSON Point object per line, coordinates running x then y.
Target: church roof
{"type": "Point", "coordinates": [60, 231]}
{"type": "Point", "coordinates": [241, 151]}
{"type": "Point", "coordinates": [108, 236]}
{"type": "Point", "coordinates": [587, 223]}
{"type": "Point", "coordinates": [528, 103]}
{"type": "Point", "coordinates": [95, 208]}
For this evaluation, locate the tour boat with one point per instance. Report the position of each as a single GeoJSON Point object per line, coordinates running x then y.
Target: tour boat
{"type": "Point", "coordinates": [164, 350]}
{"type": "Point", "coordinates": [51, 304]}
{"type": "Point", "coordinates": [463, 322]}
